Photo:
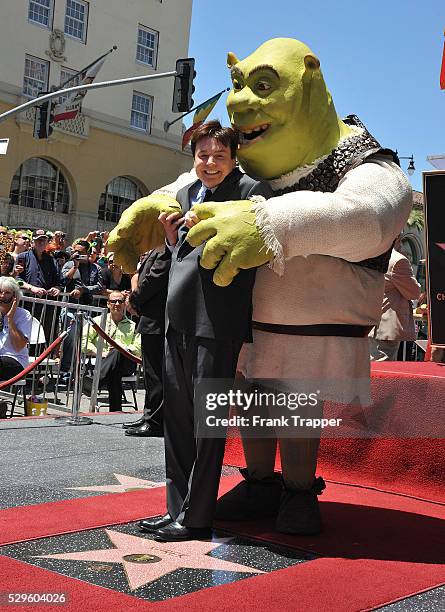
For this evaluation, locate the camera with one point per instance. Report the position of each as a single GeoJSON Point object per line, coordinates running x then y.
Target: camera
{"type": "Point", "coordinates": [78, 257]}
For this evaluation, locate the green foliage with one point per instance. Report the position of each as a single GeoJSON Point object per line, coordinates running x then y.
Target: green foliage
{"type": "Point", "coordinates": [416, 219]}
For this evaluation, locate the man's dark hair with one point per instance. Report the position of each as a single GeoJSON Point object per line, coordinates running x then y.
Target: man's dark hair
{"type": "Point", "coordinates": [84, 243]}
{"type": "Point", "coordinates": [226, 136]}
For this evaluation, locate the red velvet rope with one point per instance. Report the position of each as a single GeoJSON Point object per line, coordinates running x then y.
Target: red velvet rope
{"type": "Point", "coordinates": [113, 343]}
{"type": "Point", "coordinates": [38, 360]}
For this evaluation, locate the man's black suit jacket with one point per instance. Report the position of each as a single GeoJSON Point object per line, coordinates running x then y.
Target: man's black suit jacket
{"type": "Point", "coordinates": [151, 294]}
{"type": "Point", "coordinates": [195, 305]}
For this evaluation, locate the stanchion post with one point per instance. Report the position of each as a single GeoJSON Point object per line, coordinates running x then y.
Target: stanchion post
{"type": "Point", "coordinates": [99, 349]}
{"type": "Point", "coordinates": [75, 419]}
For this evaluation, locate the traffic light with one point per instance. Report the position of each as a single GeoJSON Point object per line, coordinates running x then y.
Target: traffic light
{"type": "Point", "coordinates": [183, 87]}
{"type": "Point", "coordinates": [43, 118]}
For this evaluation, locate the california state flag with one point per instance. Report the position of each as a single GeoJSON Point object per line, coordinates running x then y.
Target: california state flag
{"type": "Point", "coordinates": [71, 106]}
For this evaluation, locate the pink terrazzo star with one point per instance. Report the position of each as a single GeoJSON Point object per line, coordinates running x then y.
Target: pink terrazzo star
{"type": "Point", "coordinates": [145, 560]}
{"type": "Point", "coordinates": [127, 483]}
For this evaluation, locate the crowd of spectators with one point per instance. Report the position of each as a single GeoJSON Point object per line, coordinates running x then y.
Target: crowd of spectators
{"type": "Point", "coordinates": [44, 264]}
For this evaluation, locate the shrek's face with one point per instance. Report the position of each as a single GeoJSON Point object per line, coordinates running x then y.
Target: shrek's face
{"type": "Point", "coordinates": [268, 105]}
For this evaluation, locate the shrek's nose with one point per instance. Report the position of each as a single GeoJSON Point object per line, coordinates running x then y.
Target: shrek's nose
{"type": "Point", "coordinates": [241, 101]}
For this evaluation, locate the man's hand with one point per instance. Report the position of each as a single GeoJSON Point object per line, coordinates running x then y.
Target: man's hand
{"type": "Point", "coordinates": [38, 291]}
{"type": "Point", "coordinates": [54, 291]}
{"type": "Point", "coordinates": [171, 223]}
{"type": "Point", "coordinates": [76, 293]}
{"type": "Point", "coordinates": [18, 269]}
{"type": "Point", "coordinates": [139, 229]}
{"type": "Point", "coordinates": [130, 308]}
{"type": "Point", "coordinates": [234, 242]}
{"type": "Point", "coordinates": [191, 219]}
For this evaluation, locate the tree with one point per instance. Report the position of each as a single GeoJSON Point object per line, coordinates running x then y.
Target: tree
{"type": "Point", "coordinates": [416, 219]}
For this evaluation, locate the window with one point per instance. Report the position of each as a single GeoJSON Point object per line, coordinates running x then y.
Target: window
{"type": "Point", "coordinates": [41, 12]}
{"type": "Point", "coordinates": [76, 18]}
{"type": "Point", "coordinates": [119, 194]}
{"type": "Point", "coordinates": [40, 184]}
{"type": "Point", "coordinates": [65, 75]}
{"type": "Point", "coordinates": [36, 76]}
{"type": "Point", "coordinates": [141, 112]}
{"type": "Point", "coordinates": [147, 47]}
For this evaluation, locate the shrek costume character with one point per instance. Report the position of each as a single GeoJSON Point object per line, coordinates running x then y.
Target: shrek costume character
{"type": "Point", "coordinates": [340, 202]}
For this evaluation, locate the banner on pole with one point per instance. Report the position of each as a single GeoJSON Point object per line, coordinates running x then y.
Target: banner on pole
{"type": "Point", "coordinates": [434, 197]}
{"type": "Point", "coordinates": [201, 113]}
{"type": "Point", "coordinates": [442, 70]}
{"type": "Point", "coordinates": [71, 106]}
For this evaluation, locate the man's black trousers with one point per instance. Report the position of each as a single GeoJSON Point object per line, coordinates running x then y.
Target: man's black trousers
{"type": "Point", "coordinates": [113, 367]}
{"type": "Point", "coordinates": [153, 363]}
{"type": "Point", "coordinates": [193, 465]}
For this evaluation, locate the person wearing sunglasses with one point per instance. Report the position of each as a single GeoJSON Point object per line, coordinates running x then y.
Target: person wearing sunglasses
{"type": "Point", "coordinates": [22, 243]}
{"type": "Point", "coordinates": [114, 364]}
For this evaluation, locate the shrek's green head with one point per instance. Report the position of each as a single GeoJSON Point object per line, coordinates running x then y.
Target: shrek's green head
{"type": "Point", "coordinates": [280, 103]}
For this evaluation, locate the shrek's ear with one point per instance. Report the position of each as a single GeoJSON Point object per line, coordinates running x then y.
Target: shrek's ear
{"type": "Point", "coordinates": [311, 62]}
{"type": "Point", "coordinates": [231, 59]}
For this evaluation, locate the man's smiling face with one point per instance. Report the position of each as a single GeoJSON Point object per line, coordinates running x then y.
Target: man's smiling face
{"type": "Point", "coordinates": [213, 162]}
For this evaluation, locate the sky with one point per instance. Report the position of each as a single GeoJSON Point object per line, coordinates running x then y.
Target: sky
{"type": "Point", "coordinates": [380, 59]}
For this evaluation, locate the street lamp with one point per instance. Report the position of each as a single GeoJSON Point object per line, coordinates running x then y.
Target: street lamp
{"type": "Point", "coordinates": [411, 168]}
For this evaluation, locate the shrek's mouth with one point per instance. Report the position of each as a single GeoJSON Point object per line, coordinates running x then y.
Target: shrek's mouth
{"type": "Point", "coordinates": [248, 135]}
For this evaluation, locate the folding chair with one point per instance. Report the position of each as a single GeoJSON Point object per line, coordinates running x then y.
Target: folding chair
{"type": "Point", "coordinates": [38, 339]}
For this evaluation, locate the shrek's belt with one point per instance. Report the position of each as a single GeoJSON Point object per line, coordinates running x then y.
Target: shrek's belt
{"type": "Point", "coordinates": [328, 329]}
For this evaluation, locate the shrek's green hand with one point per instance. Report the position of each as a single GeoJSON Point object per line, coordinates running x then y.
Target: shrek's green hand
{"type": "Point", "coordinates": [139, 229]}
{"type": "Point", "coordinates": [234, 242]}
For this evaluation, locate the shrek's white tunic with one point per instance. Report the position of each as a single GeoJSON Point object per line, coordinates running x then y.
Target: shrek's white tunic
{"type": "Point", "coordinates": [317, 236]}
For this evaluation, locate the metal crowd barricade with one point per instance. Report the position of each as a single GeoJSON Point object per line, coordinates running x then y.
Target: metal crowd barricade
{"type": "Point", "coordinates": [50, 318]}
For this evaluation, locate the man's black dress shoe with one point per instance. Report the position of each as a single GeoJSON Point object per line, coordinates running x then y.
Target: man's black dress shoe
{"type": "Point", "coordinates": [144, 431]}
{"type": "Point", "coordinates": [137, 423]}
{"type": "Point", "coordinates": [152, 525]}
{"type": "Point", "coordinates": [175, 532]}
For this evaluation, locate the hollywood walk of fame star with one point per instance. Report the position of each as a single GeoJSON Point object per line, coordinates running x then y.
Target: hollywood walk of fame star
{"type": "Point", "coordinates": [146, 560]}
{"type": "Point", "coordinates": [127, 483]}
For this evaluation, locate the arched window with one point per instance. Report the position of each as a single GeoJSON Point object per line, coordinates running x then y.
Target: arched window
{"type": "Point", "coordinates": [40, 184]}
{"type": "Point", "coordinates": [119, 194]}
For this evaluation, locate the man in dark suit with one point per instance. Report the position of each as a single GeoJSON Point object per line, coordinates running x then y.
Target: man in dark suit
{"type": "Point", "coordinates": [206, 327]}
{"type": "Point", "coordinates": [148, 300]}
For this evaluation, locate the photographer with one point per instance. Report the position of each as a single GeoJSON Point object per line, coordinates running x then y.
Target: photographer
{"type": "Point", "coordinates": [82, 280]}
{"type": "Point", "coordinates": [57, 242]}
{"type": "Point", "coordinates": [82, 277]}
{"type": "Point", "coordinates": [15, 331]}
{"type": "Point", "coordinates": [114, 278]}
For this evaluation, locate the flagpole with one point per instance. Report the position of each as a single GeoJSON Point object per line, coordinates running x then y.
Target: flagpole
{"type": "Point", "coordinates": [74, 76]}
{"type": "Point", "coordinates": [167, 124]}
{"type": "Point", "coordinates": [63, 92]}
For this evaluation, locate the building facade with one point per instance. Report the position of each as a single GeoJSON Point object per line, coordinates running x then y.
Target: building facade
{"type": "Point", "coordinates": [116, 150]}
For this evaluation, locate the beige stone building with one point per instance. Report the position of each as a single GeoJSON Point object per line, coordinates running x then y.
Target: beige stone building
{"type": "Point", "coordinates": [116, 150]}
